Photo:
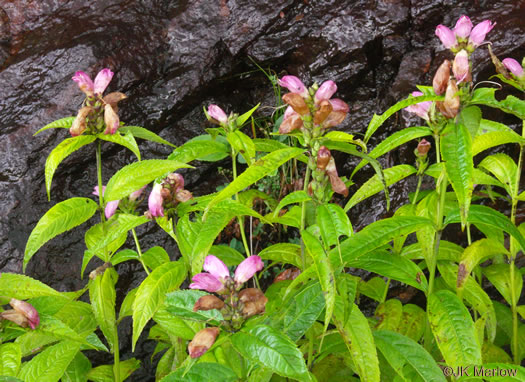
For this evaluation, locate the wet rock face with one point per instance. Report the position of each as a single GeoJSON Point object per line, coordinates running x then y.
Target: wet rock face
{"type": "Point", "coordinates": [173, 57]}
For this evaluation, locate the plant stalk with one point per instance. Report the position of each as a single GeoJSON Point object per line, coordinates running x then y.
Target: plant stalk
{"type": "Point", "coordinates": [239, 218]}
{"type": "Point", "coordinates": [137, 244]}
{"type": "Point", "coordinates": [303, 215]}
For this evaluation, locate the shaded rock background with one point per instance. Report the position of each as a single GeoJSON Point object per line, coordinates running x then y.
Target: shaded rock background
{"type": "Point", "coordinates": [174, 57]}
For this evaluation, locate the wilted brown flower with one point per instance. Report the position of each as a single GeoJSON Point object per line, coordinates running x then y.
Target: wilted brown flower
{"type": "Point", "coordinates": [202, 341]}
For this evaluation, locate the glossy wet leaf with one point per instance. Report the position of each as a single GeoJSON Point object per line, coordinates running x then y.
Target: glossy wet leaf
{"type": "Point", "coordinates": [286, 253]}
{"type": "Point", "coordinates": [511, 104]}
{"type": "Point", "coordinates": [142, 133]}
{"type": "Point", "coordinates": [201, 149]}
{"type": "Point", "coordinates": [494, 138]}
{"type": "Point", "coordinates": [499, 276]}
{"type": "Point", "coordinates": [202, 372]}
{"type": "Point", "coordinates": [63, 123]}
{"type": "Point", "coordinates": [333, 223]}
{"type": "Point", "coordinates": [504, 169]}
{"type": "Point", "coordinates": [181, 303]}
{"type": "Point", "coordinates": [291, 198]}
{"type": "Point", "coordinates": [127, 140]}
{"type": "Point", "coordinates": [102, 296]}
{"type": "Point", "coordinates": [78, 369]}
{"type": "Point", "coordinates": [10, 359]}
{"type": "Point", "coordinates": [24, 287]}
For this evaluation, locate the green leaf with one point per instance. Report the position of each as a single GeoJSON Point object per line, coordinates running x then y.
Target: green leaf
{"type": "Point", "coordinates": [286, 253]}
{"type": "Point", "coordinates": [502, 372]}
{"type": "Point", "coordinates": [333, 223]}
{"type": "Point", "coordinates": [258, 170]}
{"type": "Point", "coordinates": [395, 140]}
{"type": "Point", "coordinates": [499, 276]}
{"type": "Point", "coordinates": [122, 256]}
{"type": "Point", "coordinates": [242, 144]}
{"type": "Point", "coordinates": [61, 152]}
{"type": "Point", "coordinates": [453, 329]}
{"type": "Point", "coordinates": [400, 351]}
{"type": "Point", "coordinates": [51, 364]}
{"type": "Point", "coordinates": [134, 176]}
{"type": "Point", "coordinates": [270, 145]}
{"type": "Point", "coordinates": [127, 140]}
{"type": "Point", "coordinates": [456, 150]}
{"type": "Point", "coordinates": [202, 372]}
{"type": "Point", "coordinates": [199, 149]}
{"type": "Point", "coordinates": [60, 218]}
{"type": "Point", "coordinates": [228, 255]}
{"type": "Point", "coordinates": [244, 117]}
{"type": "Point", "coordinates": [470, 117]}
{"type": "Point", "coordinates": [52, 326]}
{"type": "Point", "coordinates": [104, 373]}
{"type": "Point", "coordinates": [375, 288]}
{"type": "Point", "coordinates": [494, 138]}
{"type": "Point", "coordinates": [181, 302]}
{"type": "Point", "coordinates": [389, 314]}
{"type": "Point", "coordinates": [392, 266]}
{"type": "Point", "coordinates": [477, 253]}
{"type": "Point", "coordinates": [272, 349]}
{"type": "Point", "coordinates": [511, 104]}
{"type": "Point", "coordinates": [24, 287]}
{"type": "Point", "coordinates": [152, 292]}
{"type": "Point", "coordinates": [174, 326]}
{"type": "Point", "coordinates": [155, 257]}
{"type": "Point", "coordinates": [126, 309]}
{"type": "Point", "coordinates": [488, 216]}
{"type": "Point", "coordinates": [291, 198]}
{"type": "Point", "coordinates": [413, 322]}
{"type": "Point", "coordinates": [376, 235]}
{"type": "Point", "coordinates": [78, 369]}
{"type": "Point", "coordinates": [10, 359]}
{"type": "Point", "coordinates": [378, 120]}
{"type": "Point", "coordinates": [373, 185]}
{"type": "Point", "coordinates": [504, 169]}
{"type": "Point", "coordinates": [142, 133]}
{"type": "Point", "coordinates": [102, 296]}
{"type": "Point", "coordinates": [63, 123]}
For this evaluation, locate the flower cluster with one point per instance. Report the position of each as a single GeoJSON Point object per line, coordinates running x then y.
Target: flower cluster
{"type": "Point", "coordinates": [100, 112]}
{"type": "Point", "coordinates": [324, 172]}
{"type": "Point", "coordinates": [22, 314]}
{"type": "Point", "coordinates": [464, 35]}
{"type": "Point", "coordinates": [112, 206]}
{"type": "Point", "coordinates": [167, 194]}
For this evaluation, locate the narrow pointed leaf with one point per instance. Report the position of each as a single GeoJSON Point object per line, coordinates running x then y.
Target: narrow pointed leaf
{"type": "Point", "coordinates": [127, 140]}
{"type": "Point", "coordinates": [181, 302]}
{"type": "Point", "coordinates": [511, 104]}
{"type": "Point", "coordinates": [102, 296]}
{"type": "Point", "coordinates": [242, 144]}
{"type": "Point", "coordinates": [63, 123]}
{"type": "Point", "coordinates": [333, 223]}
{"type": "Point", "coordinates": [499, 276]}
{"type": "Point", "coordinates": [24, 287]}
{"type": "Point", "coordinates": [142, 133]}
{"type": "Point", "coordinates": [494, 138]}
{"type": "Point", "coordinates": [291, 198]}
{"type": "Point", "coordinates": [77, 369]}
{"type": "Point", "coordinates": [198, 149]}
{"type": "Point", "coordinates": [286, 253]}
{"type": "Point", "coordinates": [504, 169]}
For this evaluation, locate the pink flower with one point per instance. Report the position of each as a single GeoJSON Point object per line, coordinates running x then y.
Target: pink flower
{"type": "Point", "coordinates": [421, 109]}
{"type": "Point", "coordinates": [27, 310]}
{"type": "Point", "coordinates": [447, 37]}
{"type": "Point", "coordinates": [207, 282]}
{"type": "Point", "coordinates": [102, 80]}
{"type": "Point", "coordinates": [463, 27]}
{"type": "Point", "coordinates": [84, 83]}
{"type": "Point", "coordinates": [325, 91]}
{"type": "Point", "coordinates": [339, 105]}
{"type": "Point", "coordinates": [513, 66]}
{"type": "Point", "coordinates": [216, 268]}
{"type": "Point", "coordinates": [111, 207]}
{"type": "Point", "coordinates": [217, 113]}
{"type": "Point", "coordinates": [155, 201]}
{"type": "Point", "coordinates": [136, 194]}
{"type": "Point", "coordinates": [294, 84]}
{"type": "Point", "coordinates": [247, 269]}
{"type": "Point", "coordinates": [111, 120]}
{"type": "Point", "coordinates": [461, 67]}
{"type": "Point", "coordinates": [477, 36]}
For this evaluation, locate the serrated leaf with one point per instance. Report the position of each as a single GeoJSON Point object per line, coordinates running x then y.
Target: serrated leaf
{"type": "Point", "coordinates": [127, 140]}
{"type": "Point", "coordinates": [181, 302]}
{"type": "Point", "coordinates": [51, 364]}
{"type": "Point", "coordinates": [122, 256]}
{"type": "Point", "coordinates": [152, 292]}
{"type": "Point", "coordinates": [52, 326]}
{"type": "Point", "coordinates": [494, 138]}
{"type": "Point", "coordinates": [291, 198]}
{"type": "Point", "coordinates": [333, 223]}
{"type": "Point", "coordinates": [24, 287]}
{"type": "Point", "coordinates": [374, 185]}
{"type": "Point", "coordinates": [499, 276]}
{"type": "Point", "coordinates": [504, 169]}
{"type": "Point", "coordinates": [63, 123]}
{"type": "Point", "coordinates": [511, 104]}
{"type": "Point", "coordinates": [10, 359]}
{"type": "Point", "coordinates": [286, 253]}
{"type": "Point", "coordinates": [102, 296]}
{"type": "Point", "coordinates": [61, 152]}
{"type": "Point", "coordinates": [272, 349]}
{"type": "Point", "coordinates": [173, 325]}
{"type": "Point", "coordinates": [400, 350]}
{"type": "Point", "coordinates": [456, 151]}
{"type": "Point", "coordinates": [78, 369]}
{"type": "Point", "coordinates": [202, 372]}
{"type": "Point", "coordinates": [142, 133]}
{"type": "Point", "coordinates": [470, 117]}
{"type": "Point", "coordinates": [60, 218]}
{"type": "Point", "coordinates": [413, 322]}
{"type": "Point", "coordinates": [229, 256]}
{"type": "Point", "coordinates": [199, 149]}
{"type": "Point", "coordinates": [136, 175]}
{"type": "Point", "coordinates": [242, 144]}
{"type": "Point", "coordinates": [155, 257]}
{"type": "Point", "coordinates": [258, 170]}
{"type": "Point", "coordinates": [453, 329]}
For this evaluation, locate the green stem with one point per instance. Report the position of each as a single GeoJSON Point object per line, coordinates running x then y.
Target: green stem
{"type": "Point", "coordinates": [116, 358]}
{"type": "Point", "coordinates": [303, 215]}
{"type": "Point", "coordinates": [99, 179]}
{"type": "Point", "coordinates": [137, 244]}
{"type": "Point", "coordinates": [514, 340]}
{"type": "Point", "coordinates": [419, 180]}
{"type": "Point", "coordinates": [239, 218]}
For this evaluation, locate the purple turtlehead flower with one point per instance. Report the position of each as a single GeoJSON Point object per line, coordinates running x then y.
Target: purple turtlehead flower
{"type": "Point", "coordinates": [27, 310]}
{"type": "Point", "coordinates": [325, 91]}
{"type": "Point", "coordinates": [102, 80]}
{"type": "Point", "coordinates": [155, 201]}
{"type": "Point", "coordinates": [339, 105]}
{"type": "Point", "coordinates": [207, 282]}
{"type": "Point", "coordinates": [513, 66]}
{"type": "Point", "coordinates": [84, 83]}
{"type": "Point", "coordinates": [217, 113]}
{"type": "Point", "coordinates": [288, 113]}
{"type": "Point", "coordinates": [463, 27]}
{"type": "Point", "coordinates": [111, 207]}
{"type": "Point", "coordinates": [216, 268]}
{"type": "Point", "coordinates": [461, 67]}
{"type": "Point", "coordinates": [447, 37]}
{"type": "Point", "coordinates": [294, 84]}
{"type": "Point", "coordinates": [247, 269]}
{"type": "Point", "coordinates": [477, 36]}
{"type": "Point", "coordinates": [421, 109]}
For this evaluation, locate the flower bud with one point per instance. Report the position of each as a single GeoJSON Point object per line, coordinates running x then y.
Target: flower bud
{"type": "Point", "coordinates": [294, 84]}
{"type": "Point", "coordinates": [421, 109]}
{"type": "Point", "coordinates": [84, 83]}
{"type": "Point", "coordinates": [339, 105]}
{"type": "Point", "coordinates": [79, 124]}
{"type": "Point", "coordinates": [325, 91]}
{"type": "Point", "coordinates": [16, 317]}
{"type": "Point", "coordinates": [208, 302]}
{"type": "Point", "coordinates": [247, 269]}
{"type": "Point", "coordinates": [513, 66]}
{"type": "Point", "coordinates": [202, 341]}
{"type": "Point", "coordinates": [450, 106]}
{"type": "Point", "coordinates": [102, 80]}
{"type": "Point", "coordinates": [440, 81]}
{"type": "Point", "coordinates": [287, 274]}
{"type": "Point", "coordinates": [136, 194]}
{"type": "Point", "coordinates": [216, 267]}
{"type": "Point", "coordinates": [111, 120]}
{"type": "Point", "coordinates": [111, 208]}
{"type": "Point", "coordinates": [113, 99]}
{"type": "Point", "coordinates": [155, 201]}
{"type": "Point", "coordinates": [423, 147]}
{"type": "Point", "coordinates": [183, 196]}
{"type": "Point", "coordinates": [461, 67]}
{"type": "Point", "coordinates": [447, 37]}
{"type": "Point", "coordinates": [27, 310]}
{"type": "Point", "coordinates": [325, 108]}
{"type": "Point", "coordinates": [217, 114]}
{"type": "Point", "coordinates": [297, 103]}
{"type": "Point", "coordinates": [254, 301]}
{"type": "Point", "coordinates": [206, 281]}
{"type": "Point", "coordinates": [323, 157]}
{"type": "Point", "coordinates": [477, 36]}
{"type": "Point", "coordinates": [176, 181]}
{"type": "Point", "coordinates": [463, 27]}
{"type": "Point", "coordinates": [338, 186]}
{"type": "Point", "coordinates": [293, 122]}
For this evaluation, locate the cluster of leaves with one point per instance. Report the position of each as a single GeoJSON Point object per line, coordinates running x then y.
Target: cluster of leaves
{"type": "Point", "coordinates": [313, 328]}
